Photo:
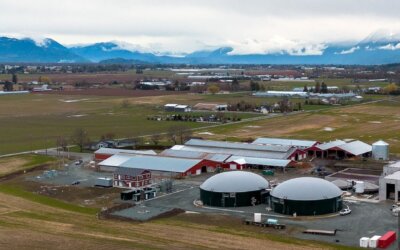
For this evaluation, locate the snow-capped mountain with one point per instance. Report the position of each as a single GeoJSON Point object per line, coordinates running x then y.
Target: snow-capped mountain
{"type": "Point", "coordinates": [29, 50]}
{"type": "Point", "coordinates": [378, 48]}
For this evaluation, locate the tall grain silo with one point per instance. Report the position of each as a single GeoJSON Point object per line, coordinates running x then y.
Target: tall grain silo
{"type": "Point", "coordinates": [380, 150]}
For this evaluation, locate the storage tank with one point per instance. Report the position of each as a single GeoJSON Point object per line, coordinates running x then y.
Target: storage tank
{"type": "Point", "coordinates": [257, 217]}
{"type": "Point", "coordinates": [359, 187]}
{"type": "Point", "coordinates": [380, 150]}
{"type": "Point", "coordinates": [373, 241]}
{"type": "Point", "coordinates": [306, 196]}
{"type": "Point", "coordinates": [364, 242]}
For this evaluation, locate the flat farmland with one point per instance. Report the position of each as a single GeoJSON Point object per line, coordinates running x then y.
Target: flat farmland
{"type": "Point", "coordinates": [34, 121]}
{"type": "Point", "coordinates": [30, 122]}
{"type": "Point", "coordinates": [95, 78]}
{"type": "Point", "coordinates": [113, 92]}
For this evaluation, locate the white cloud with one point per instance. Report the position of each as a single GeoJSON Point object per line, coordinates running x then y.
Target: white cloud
{"type": "Point", "coordinates": [390, 46]}
{"type": "Point", "coordinates": [349, 51]}
{"type": "Point", "coordinates": [275, 45]}
{"type": "Point", "coordinates": [181, 26]}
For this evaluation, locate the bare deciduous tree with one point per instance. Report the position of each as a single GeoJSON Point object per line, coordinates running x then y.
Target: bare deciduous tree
{"type": "Point", "coordinates": [61, 143]}
{"type": "Point", "coordinates": [155, 139]}
{"type": "Point", "coordinates": [80, 137]}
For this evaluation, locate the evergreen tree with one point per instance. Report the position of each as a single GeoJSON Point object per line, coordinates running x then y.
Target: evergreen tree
{"type": "Point", "coordinates": [14, 78]}
{"type": "Point", "coordinates": [254, 86]}
{"type": "Point", "coordinates": [324, 88]}
{"type": "Point", "coordinates": [235, 85]}
{"type": "Point", "coordinates": [317, 88]}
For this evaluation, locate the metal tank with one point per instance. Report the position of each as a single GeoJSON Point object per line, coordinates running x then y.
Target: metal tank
{"type": "Point", "coordinates": [380, 150]}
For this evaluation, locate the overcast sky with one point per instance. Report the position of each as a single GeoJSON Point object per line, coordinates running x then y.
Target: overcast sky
{"type": "Point", "coordinates": [249, 26]}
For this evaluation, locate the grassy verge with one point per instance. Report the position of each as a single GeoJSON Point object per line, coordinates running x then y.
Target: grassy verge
{"type": "Point", "coordinates": [236, 229]}
{"type": "Point", "coordinates": [14, 164]}
{"type": "Point", "coordinates": [17, 191]}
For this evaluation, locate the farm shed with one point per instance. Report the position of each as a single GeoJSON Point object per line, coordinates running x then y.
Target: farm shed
{"type": "Point", "coordinates": [110, 164]}
{"type": "Point", "coordinates": [171, 165]}
{"type": "Point", "coordinates": [131, 177]}
{"type": "Point", "coordinates": [356, 148]}
{"type": "Point", "coordinates": [172, 107]}
{"type": "Point", "coordinates": [218, 159]}
{"type": "Point", "coordinates": [244, 149]}
{"type": "Point", "coordinates": [302, 144]}
{"type": "Point", "coordinates": [306, 196]}
{"type": "Point", "coordinates": [321, 150]}
{"type": "Point", "coordinates": [238, 162]}
{"type": "Point", "coordinates": [389, 182]}
{"type": "Point", "coordinates": [104, 153]}
{"type": "Point", "coordinates": [211, 106]}
{"type": "Point", "coordinates": [233, 189]}
{"type": "Point", "coordinates": [340, 149]}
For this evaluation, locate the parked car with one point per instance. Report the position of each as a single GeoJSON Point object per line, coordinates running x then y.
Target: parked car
{"type": "Point", "coordinates": [75, 183]}
{"type": "Point", "coordinates": [345, 211]}
{"type": "Point", "coordinates": [79, 162]}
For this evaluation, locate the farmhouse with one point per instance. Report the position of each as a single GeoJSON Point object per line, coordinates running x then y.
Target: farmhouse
{"type": "Point", "coordinates": [129, 177]}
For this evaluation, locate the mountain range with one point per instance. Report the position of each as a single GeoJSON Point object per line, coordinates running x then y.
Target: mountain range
{"type": "Point", "coordinates": [372, 50]}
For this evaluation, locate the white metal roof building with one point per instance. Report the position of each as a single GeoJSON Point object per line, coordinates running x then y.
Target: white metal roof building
{"type": "Point", "coordinates": [389, 186]}
{"type": "Point", "coordinates": [195, 155]}
{"type": "Point", "coordinates": [244, 149]}
{"type": "Point", "coordinates": [236, 145]}
{"type": "Point", "coordinates": [285, 142]}
{"type": "Point", "coordinates": [331, 144]}
{"type": "Point", "coordinates": [159, 163]}
{"type": "Point", "coordinates": [112, 151]}
{"type": "Point", "coordinates": [233, 189]}
{"type": "Point", "coordinates": [356, 148]}
{"type": "Point", "coordinates": [306, 196]}
{"type": "Point", "coordinates": [237, 152]}
{"type": "Point", "coordinates": [116, 160]}
{"type": "Point", "coordinates": [259, 161]}
{"type": "Point", "coordinates": [340, 149]}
